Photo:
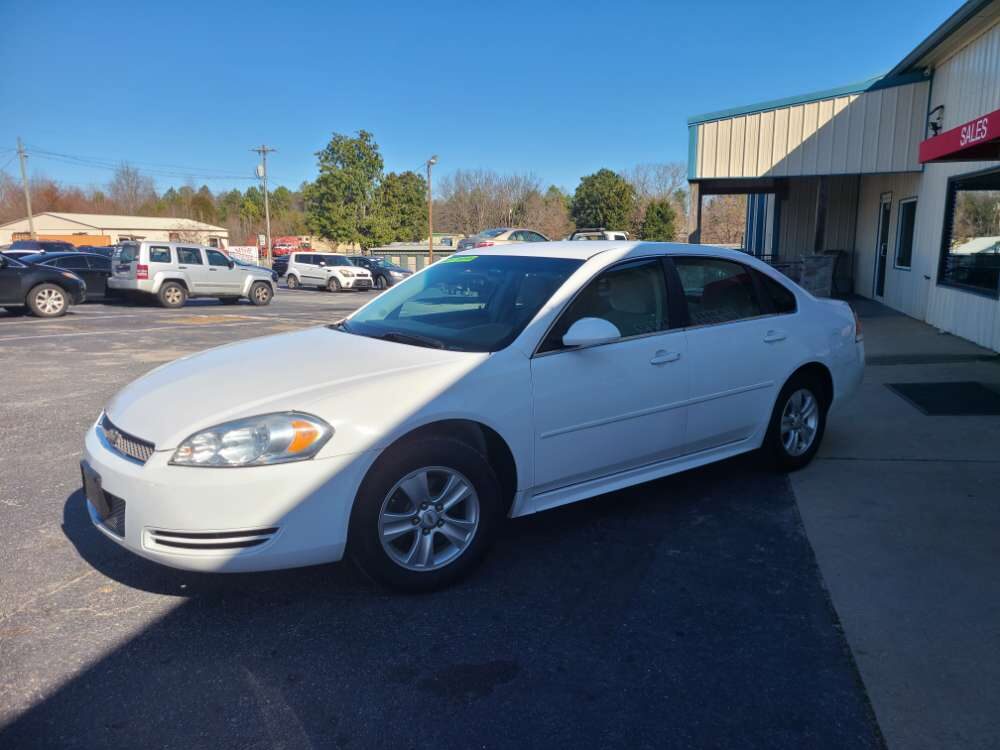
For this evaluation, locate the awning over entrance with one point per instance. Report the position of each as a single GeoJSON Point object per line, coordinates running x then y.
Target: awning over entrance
{"type": "Point", "coordinates": [976, 140]}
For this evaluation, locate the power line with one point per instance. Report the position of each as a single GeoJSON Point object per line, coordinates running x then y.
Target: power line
{"type": "Point", "coordinates": [160, 170]}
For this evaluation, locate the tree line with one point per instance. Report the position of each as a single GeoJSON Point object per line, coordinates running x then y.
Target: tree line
{"type": "Point", "coordinates": [353, 200]}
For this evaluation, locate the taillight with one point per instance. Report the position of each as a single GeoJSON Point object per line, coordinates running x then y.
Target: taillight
{"type": "Point", "coordinates": [485, 243]}
{"type": "Point", "coordinates": [141, 271]}
{"type": "Point", "coordinates": [858, 335]}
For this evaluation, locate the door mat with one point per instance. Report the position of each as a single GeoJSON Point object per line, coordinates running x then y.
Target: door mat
{"type": "Point", "coordinates": [959, 399]}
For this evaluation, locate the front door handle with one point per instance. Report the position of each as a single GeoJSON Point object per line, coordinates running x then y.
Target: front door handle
{"type": "Point", "coordinates": [772, 336]}
{"type": "Point", "coordinates": [183, 268]}
{"type": "Point", "coordinates": [663, 357]}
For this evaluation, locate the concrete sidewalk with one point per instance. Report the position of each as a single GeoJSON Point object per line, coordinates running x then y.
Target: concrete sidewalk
{"type": "Point", "coordinates": [903, 512]}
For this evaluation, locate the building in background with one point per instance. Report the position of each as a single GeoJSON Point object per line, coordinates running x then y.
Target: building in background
{"type": "Point", "coordinates": [898, 177]}
{"type": "Point", "coordinates": [107, 229]}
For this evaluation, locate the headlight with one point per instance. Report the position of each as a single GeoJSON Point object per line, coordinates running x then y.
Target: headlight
{"type": "Point", "coordinates": [397, 274]}
{"type": "Point", "coordinates": [255, 441]}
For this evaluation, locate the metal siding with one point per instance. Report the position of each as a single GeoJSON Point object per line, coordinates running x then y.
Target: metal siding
{"type": "Point", "coordinates": [968, 85]}
{"type": "Point", "coordinates": [872, 132]}
{"type": "Point", "coordinates": [798, 218]}
{"type": "Point", "coordinates": [841, 213]}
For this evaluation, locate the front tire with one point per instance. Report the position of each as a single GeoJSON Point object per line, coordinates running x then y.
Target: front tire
{"type": "Point", "coordinates": [172, 295]}
{"type": "Point", "coordinates": [381, 282]}
{"type": "Point", "coordinates": [260, 294]}
{"type": "Point", "coordinates": [48, 301]}
{"type": "Point", "coordinates": [425, 514]}
{"type": "Point", "coordinates": [797, 423]}
{"type": "Point", "coordinates": [333, 285]}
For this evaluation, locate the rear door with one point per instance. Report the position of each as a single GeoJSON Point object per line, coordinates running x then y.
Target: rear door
{"type": "Point", "coordinates": [192, 263]}
{"type": "Point", "coordinates": [100, 269]}
{"type": "Point", "coordinates": [225, 280]}
{"type": "Point", "coordinates": [740, 350]}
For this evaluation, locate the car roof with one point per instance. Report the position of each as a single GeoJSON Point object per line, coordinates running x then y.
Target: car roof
{"type": "Point", "coordinates": [587, 250]}
{"type": "Point", "coordinates": [52, 256]}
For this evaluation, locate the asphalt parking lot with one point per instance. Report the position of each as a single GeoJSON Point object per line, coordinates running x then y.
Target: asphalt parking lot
{"type": "Point", "coordinates": [688, 612]}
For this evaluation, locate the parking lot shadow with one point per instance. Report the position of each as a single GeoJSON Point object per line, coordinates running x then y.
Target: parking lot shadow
{"type": "Point", "coordinates": [687, 612]}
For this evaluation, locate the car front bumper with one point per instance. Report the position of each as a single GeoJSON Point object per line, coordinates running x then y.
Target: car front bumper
{"type": "Point", "coordinates": [357, 282]}
{"type": "Point", "coordinates": [225, 520]}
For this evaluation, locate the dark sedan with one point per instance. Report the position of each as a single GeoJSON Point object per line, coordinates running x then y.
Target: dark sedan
{"type": "Point", "coordinates": [91, 267]}
{"type": "Point", "coordinates": [43, 246]}
{"type": "Point", "coordinates": [46, 291]}
{"type": "Point", "coordinates": [384, 273]}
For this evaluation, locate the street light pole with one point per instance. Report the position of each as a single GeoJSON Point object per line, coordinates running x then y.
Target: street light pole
{"type": "Point", "coordinates": [430, 211]}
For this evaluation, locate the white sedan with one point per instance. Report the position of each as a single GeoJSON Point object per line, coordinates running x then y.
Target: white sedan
{"type": "Point", "coordinates": [508, 381]}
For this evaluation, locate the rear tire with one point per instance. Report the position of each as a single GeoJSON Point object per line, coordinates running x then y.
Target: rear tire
{"type": "Point", "coordinates": [292, 281]}
{"type": "Point", "coordinates": [172, 295]}
{"type": "Point", "coordinates": [332, 285]}
{"type": "Point", "coordinates": [48, 301]}
{"type": "Point", "coordinates": [797, 424]}
{"type": "Point", "coordinates": [260, 294]}
{"type": "Point", "coordinates": [381, 503]}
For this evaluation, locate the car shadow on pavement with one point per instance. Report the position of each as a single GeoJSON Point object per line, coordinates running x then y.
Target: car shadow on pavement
{"type": "Point", "coordinates": [687, 612]}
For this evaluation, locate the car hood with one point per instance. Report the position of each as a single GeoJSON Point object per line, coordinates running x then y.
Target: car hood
{"type": "Point", "coordinates": [269, 374]}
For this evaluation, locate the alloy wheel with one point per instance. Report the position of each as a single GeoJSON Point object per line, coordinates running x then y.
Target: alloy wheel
{"type": "Point", "coordinates": [428, 518]}
{"type": "Point", "coordinates": [173, 296]}
{"type": "Point", "coordinates": [50, 301]}
{"type": "Point", "coordinates": [799, 422]}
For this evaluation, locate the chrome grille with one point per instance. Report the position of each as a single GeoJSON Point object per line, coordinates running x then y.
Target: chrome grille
{"type": "Point", "coordinates": [125, 444]}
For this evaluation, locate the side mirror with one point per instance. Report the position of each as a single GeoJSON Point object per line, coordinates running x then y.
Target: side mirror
{"type": "Point", "coordinates": [232, 263]}
{"type": "Point", "coordinates": [590, 332]}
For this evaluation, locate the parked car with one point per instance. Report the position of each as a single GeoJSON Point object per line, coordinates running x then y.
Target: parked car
{"type": "Point", "coordinates": [384, 273]}
{"type": "Point", "coordinates": [18, 254]}
{"type": "Point", "coordinates": [174, 271]}
{"type": "Point", "coordinates": [244, 264]}
{"type": "Point", "coordinates": [92, 268]}
{"type": "Point", "coordinates": [327, 271]}
{"type": "Point", "coordinates": [520, 381]}
{"type": "Point", "coordinates": [43, 246]}
{"type": "Point", "coordinates": [47, 292]}
{"type": "Point", "coordinates": [599, 233]}
{"type": "Point", "coordinates": [501, 236]}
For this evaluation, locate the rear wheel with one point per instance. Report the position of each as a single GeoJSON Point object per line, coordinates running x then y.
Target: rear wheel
{"type": "Point", "coordinates": [797, 424]}
{"type": "Point", "coordinates": [292, 281]}
{"type": "Point", "coordinates": [425, 515]}
{"type": "Point", "coordinates": [260, 293]}
{"type": "Point", "coordinates": [172, 295]}
{"type": "Point", "coordinates": [333, 285]}
{"type": "Point", "coordinates": [48, 301]}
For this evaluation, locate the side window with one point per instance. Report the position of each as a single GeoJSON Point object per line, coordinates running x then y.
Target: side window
{"type": "Point", "coordinates": [215, 258]}
{"type": "Point", "coordinates": [159, 254]}
{"type": "Point", "coordinates": [516, 237]}
{"type": "Point", "coordinates": [782, 300]}
{"type": "Point", "coordinates": [632, 295]}
{"type": "Point", "coordinates": [189, 255]}
{"type": "Point", "coordinates": [73, 263]}
{"type": "Point", "coordinates": [100, 264]}
{"type": "Point", "coordinates": [716, 290]}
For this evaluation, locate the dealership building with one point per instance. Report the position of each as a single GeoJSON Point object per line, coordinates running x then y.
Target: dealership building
{"type": "Point", "coordinates": [109, 229]}
{"type": "Point", "coordinates": [896, 178]}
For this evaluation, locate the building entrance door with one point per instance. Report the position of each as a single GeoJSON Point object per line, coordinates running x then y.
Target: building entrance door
{"type": "Point", "coordinates": [882, 243]}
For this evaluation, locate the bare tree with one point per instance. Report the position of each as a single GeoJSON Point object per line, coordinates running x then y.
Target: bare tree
{"type": "Point", "coordinates": [724, 219]}
{"type": "Point", "coordinates": [129, 188]}
{"type": "Point", "coordinates": [473, 200]}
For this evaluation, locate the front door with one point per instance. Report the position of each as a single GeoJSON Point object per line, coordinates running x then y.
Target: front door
{"type": "Point", "coordinates": [607, 408]}
{"type": "Point", "coordinates": [224, 280]}
{"type": "Point", "coordinates": [882, 242]}
{"type": "Point", "coordinates": [192, 263]}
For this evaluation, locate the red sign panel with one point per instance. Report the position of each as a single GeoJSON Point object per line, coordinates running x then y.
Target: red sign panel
{"type": "Point", "coordinates": [976, 140]}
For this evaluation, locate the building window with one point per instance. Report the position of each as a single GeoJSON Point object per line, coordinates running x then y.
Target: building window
{"type": "Point", "coordinates": [904, 233]}
{"type": "Point", "coordinates": [970, 242]}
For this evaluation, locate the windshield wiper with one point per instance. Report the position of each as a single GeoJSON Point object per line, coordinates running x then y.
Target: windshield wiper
{"type": "Point", "coordinates": [412, 338]}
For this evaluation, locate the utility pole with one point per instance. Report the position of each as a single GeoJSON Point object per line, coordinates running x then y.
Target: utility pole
{"type": "Point", "coordinates": [430, 211]}
{"type": "Point", "coordinates": [27, 193]}
{"type": "Point", "coordinates": [262, 173]}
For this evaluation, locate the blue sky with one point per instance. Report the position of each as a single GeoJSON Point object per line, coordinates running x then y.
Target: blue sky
{"type": "Point", "coordinates": [555, 89]}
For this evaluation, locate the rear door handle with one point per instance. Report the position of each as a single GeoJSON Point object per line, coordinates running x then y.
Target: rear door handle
{"type": "Point", "coordinates": [772, 336]}
{"type": "Point", "coordinates": [182, 267]}
{"type": "Point", "coordinates": [663, 357]}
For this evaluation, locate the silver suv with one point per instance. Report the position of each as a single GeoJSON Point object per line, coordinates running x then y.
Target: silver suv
{"type": "Point", "coordinates": [174, 271]}
{"type": "Point", "coordinates": [326, 270]}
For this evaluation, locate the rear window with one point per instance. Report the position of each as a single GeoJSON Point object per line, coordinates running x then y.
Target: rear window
{"type": "Point", "coordinates": [128, 253]}
{"type": "Point", "coordinates": [159, 254]}
{"type": "Point", "coordinates": [782, 299]}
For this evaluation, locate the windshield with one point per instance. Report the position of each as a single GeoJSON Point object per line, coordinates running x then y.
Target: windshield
{"type": "Point", "coordinates": [490, 233]}
{"type": "Point", "coordinates": [464, 303]}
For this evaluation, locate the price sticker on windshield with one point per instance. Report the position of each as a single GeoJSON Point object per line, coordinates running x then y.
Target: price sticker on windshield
{"type": "Point", "coordinates": [459, 258]}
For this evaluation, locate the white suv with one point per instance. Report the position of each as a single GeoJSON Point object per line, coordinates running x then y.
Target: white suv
{"type": "Point", "coordinates": [326, 270]}
{"type": "Point", "coordinates": [174, 271]}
